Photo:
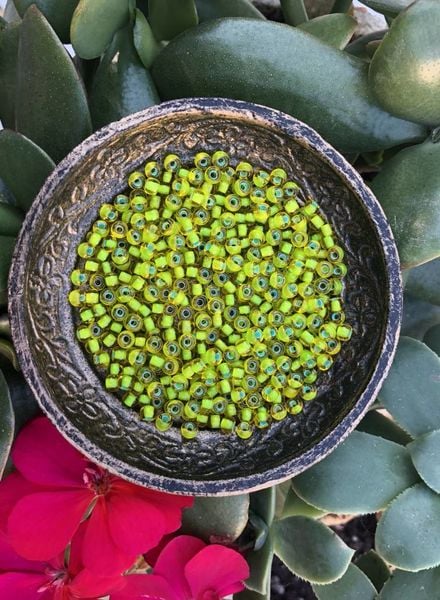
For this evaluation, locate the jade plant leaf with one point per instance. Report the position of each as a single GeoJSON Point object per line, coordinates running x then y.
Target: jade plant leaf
{"type": "Point", "coordinates": [94, 23]}
{"type": "Point", "coordinates": [217, 9]}
{"type": "Point", "coordinates": [408, 534]}
{"type": "Point", "coordinates": [404, 72]}
{"type": "Point", "coordinates": [223, 518]}
{"type": "Point", "coordinates": [23, 401]}
{"type": "Point", "coordinates": [412, 173]}
{"type": "Point", "coordinates": [59, 14]}
{"type": "Point", "coordinates": [6, 196]}
{"type": "Point", "coordinates": [7, 351]}
{"type": "Point", "coordinates": [411, 391]}
{"type": "Point", "coordinates": [378, 424]}
{"type": "Point", "coordinates": [251, 595]}
{"type": "Point", "coordinates": [11, 219]}
{"type": "Point", "coordinates": [335, 30]}
{"type": "Point", "coordinates": [432, 339]}
{"type": "Point", "coordinates": [7, 245]}
{"type": "Point", "coordinates": [60, 118]}
{"type": "Point", "coordinates": [418, 317]}
{"type": "Point", "coordinates": [353, 585]}
{"type": "Point", "coordinates": [402, 585]}
{"type": "Point", "coordinates": [6, 423]}
{"type": "Point", "coordinates": [311, 550]}
{"type": "Point", "coordinates": [425, 454]}
{"type": "Point", "coordinates": [359, 47]}
{"type": "Point", "coordinates": [284, 68]}
{"type": "Point", "coordinates": [121, 85]}
{"type": "Point", "coordinates": [20, 155]}
{"type": "Point", "coordinates": [9, 37]}
{"type": "Point", "coordinates": [260, 564]}
{"type": "Point", "coordinates": [295, 506]}
{"type": "Point", "coordinates": [424, 282]}
{"type": "Point", "coordinates": [338, 483]}
{"type": "Point", "coordinates": [294, 12]}
{"type": "Point", "coordinates": [388, 7]}
{"type": "Point", "coordinates": [374, 568]}
{"type": "Point", "coordinates": [263, 504]}
{"type": "Point", "coordinates": [168, 18]}
{"type": "Point", "coordinates": [144, 40]}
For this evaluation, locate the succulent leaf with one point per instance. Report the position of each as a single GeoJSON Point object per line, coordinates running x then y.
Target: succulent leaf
{"type": "Point", "coordinates": [18, 154]}
{"type": "Point", "coordinates": [418, 317]}
{"type": "Point", "coordinates": [402, 585]}
{"type": "Point", "coordinates": [263, 504]}
{"type": "Point", "coordinates": [168, 18]}
{"type": "Point", "coordinates": [424, 282]}
{"type": "Point", "coordinates": [311, 550]}
{"type": "Point", "coordinates": [408, 534]}
{"type": "Point", "coordinates": [59, 14]}
{"type": "Point", "coordinates": [260, 563]}
{"type": "Point", "coordinates": [353, 585]}
{"type": "Point", "coordinates": [11, 219]}
{"type": "Point", "coordinates": [60, 118]}
{"type": "Point", "coordinates": [374, 568]}
{"type": "Point", "coordinates": [376, 423]}
{"type": "Point", "coordinates": [336, 29]}
{"type": "Point", "coordinates": [7, 245]}
{"type": "Point", "coordinates": [144, 40]}
{"type": "Point", "coordinates": [301, 69]}
{"type": "Point", "coordinates": [121, 85]}
{"type": "Point", "coordinates": [223, 517]}
{"type": "Point", "coordinates": [9, 37]}
{"type": "Point", "coordinates": [411, 391]}
{"type": "Point", "coordinates": [217, 9]}
{"type": "Point", "coordinates": [432, 339]}
{"type": "Point", "coordinates": [388, 7]}
{"type": "Point", "coordinates": [425, 454]}
{"type": "Point", "coordinates": [338, 483]}
{"type": "Point", "coordinates": [94, 24]}
{"type": "Point", "coordinates": [6, 421]}
{"type": "Point", "coordinates": [295, 506]}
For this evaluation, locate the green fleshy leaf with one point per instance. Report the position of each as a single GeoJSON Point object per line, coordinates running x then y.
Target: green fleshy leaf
{"type": "Point", "coordinates": [11, 219]}
{"type": "Point", "coordinates": [411, 391]}
{"type": "Point", "coordinates": [6, 423]}
{"type": "Point", "coordinates": [7, 351]}
{"type": "Point", "coordinates": [7, 245]}
{"type": "Point", "coordinates": [220, 518]}
{"type": "Point", "coordinates": [408, 534]}
{"type": "Point", "coordinates": [168, 18]}
{"type": "Point", "coordinates": [20, 155]}
{"type": "Point", "coordinates": [217, 9]}
{"type": "Point", "coordinates": [60, 118]}
{"type": "Point", "coordinates": [9, 37]}
{"type": "Point", "coordinates": [432, 339]}
{"type": "Point", "coordinates": [10, 13]}
{"type": "Point", "coordinates": [295, 506]}
{"type": "Point", "coordinates": [6, 196]}
{"type": "Point", "coordinates": [335, 30]}
{"type": "Point", "coordinates": [359, 46]}
{"type": "Point", "coordinates": [122, 85]}
{"type": "Point", "coordinates": [424, 282]}
{"type": "Point", "coordinates": [418, 317]}
{"type": "Point", "coordinates": [144, 40]}
{"type": "Point", "coordinates": [374, 568]}
{"type": "Point", "coordinates": [263, 504]}
{"type": "Point", "coordinates": [59, 14]}
{"type": "Point", "coordinates": [260, 564]}
{"type": "Point", "coordinates": [338, 483]}
{"type": "Point", "coordinates": [5, 327]}
{"type": "Point", "coordinates": [353, 585]}
{"type": "Point", "coordinates": [423, 585]}
{"type": "Point", "coordinates": [23, 401]}
{"type": "Point", "coordinates": [425, 454]}
{"type": "Point", "coordinates": [251, 595]}
{"type": "Point", "coordinates": [94, 24]}
{"type": "Point", "coordinates": [378, 424]}
{"type": "Point", "coordinates": [388, 7]}
{"type": "Point", "coordinates": [294, 12]}
{"type": "Point", "coordinates": [311, 550]}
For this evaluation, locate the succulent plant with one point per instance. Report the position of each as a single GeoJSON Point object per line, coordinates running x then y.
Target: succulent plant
{"type": "Point", "coordinates": [376, 100]}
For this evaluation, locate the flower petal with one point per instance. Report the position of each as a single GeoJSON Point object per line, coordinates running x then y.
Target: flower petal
{"type": "Point", "coordinates": [172, 561]}
{"type": "Point", "coordinates": [11, 561]}
{"type": "Point", "coordinates": [41, 525]}
{"type": "Point", "coordinates": [90, 585]}
{"type": "Point", "coordinates": [216, 568]}
{"type": "Point", "coordinates": [135, 525]}
{"type": "Point", "coordinates": [23, 586]}
{"type": "Point", "coordinates": [100, 553]}
{"type": "Point", "coordinates": [43, 456]}
{"type": "Point", "coordinates": [12, 488]}
{"type": "Point", "coordinates": [145, 586]}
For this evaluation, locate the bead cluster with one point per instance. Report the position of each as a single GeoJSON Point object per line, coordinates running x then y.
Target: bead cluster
{"type": "Point", "coordinates": [211, 295]}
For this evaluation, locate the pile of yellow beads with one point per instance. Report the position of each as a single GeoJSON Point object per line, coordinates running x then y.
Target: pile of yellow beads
{"type": "Point", "coordinates": [211, 295]}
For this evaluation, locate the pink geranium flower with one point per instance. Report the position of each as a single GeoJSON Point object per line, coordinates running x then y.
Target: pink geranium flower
{"type": "Point", "coordinates": [188, 569]}
{"type": "Point", "coordinates": [125, 520]}
{"type": "Point", "coordinates": [51, 580]}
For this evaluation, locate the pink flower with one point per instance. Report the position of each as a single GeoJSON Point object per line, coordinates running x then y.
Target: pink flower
{"type": "Point", "coordinates": [188, 569]}
{"type": "Point", "coordinates": [59, 487]}
{"type": "Point", "coordinates": [51, 580]}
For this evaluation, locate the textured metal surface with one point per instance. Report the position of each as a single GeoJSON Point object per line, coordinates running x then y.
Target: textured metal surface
{"type": "Point", "coordinates": [68, 388]}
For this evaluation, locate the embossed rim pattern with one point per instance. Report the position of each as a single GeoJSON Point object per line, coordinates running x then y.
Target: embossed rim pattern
{"type": "Point", "coordinates": [313, 143]}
